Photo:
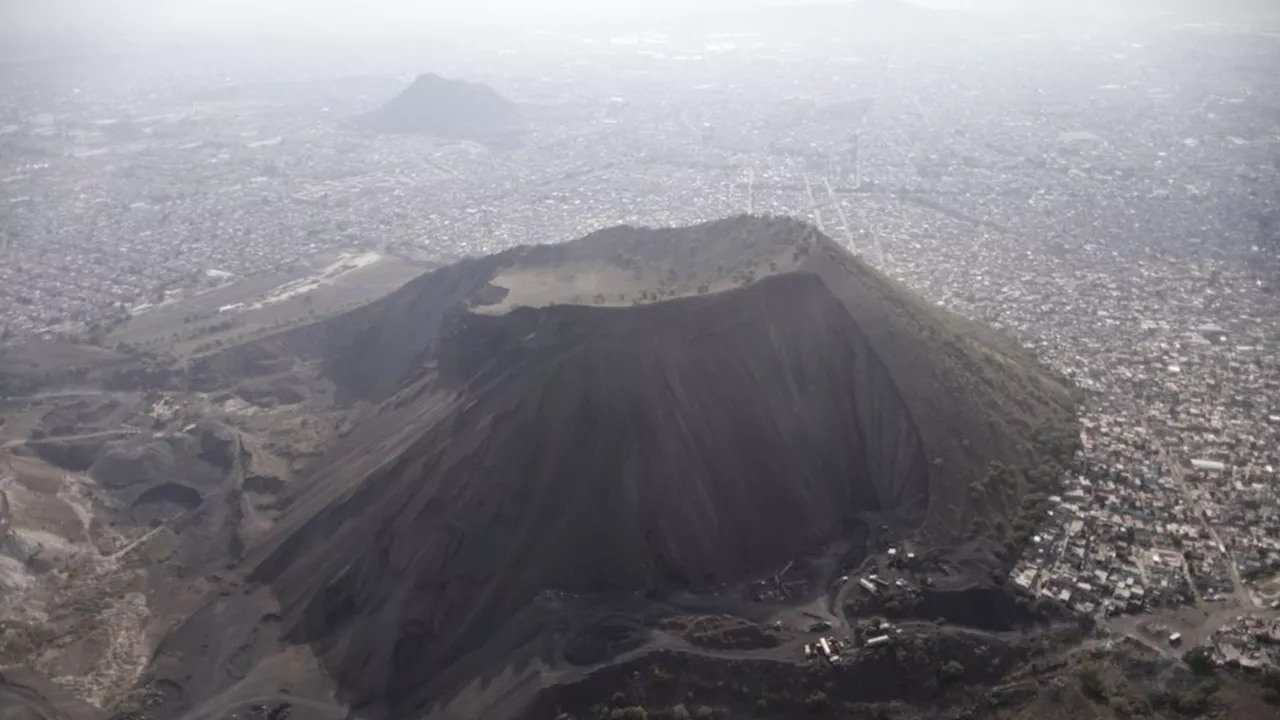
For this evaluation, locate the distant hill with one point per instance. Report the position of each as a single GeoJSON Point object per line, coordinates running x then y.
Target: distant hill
{"type": "Point", "coordinates": [438, 106]}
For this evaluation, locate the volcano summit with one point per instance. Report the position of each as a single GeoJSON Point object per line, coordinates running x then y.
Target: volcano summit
{"type": "Point", "coordinates": [560, 435]}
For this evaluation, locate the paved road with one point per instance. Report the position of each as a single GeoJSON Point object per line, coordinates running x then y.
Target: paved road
{"type": "Point", "coordinates": [5, 511]}
{"type": "Point", "coordinates": [228, 704]}
{"type": "Point", "coordinates": [1239, 591]}
{"type": "Point", "coordinates": [120, 432]}
{"type": "Point", "coordinates": [1196, 625]}
{"type": "Point", "coordinates": [844, 217]}
{"type": "Point", "coordinates": [63, 394]}
{"type": "Point", "coordinates": [813, 203]}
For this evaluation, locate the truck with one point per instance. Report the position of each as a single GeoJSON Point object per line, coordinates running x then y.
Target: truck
{"type": "Point", "coordinates": [878, 641]}
{"type": "Point", "coordinates": [867, 585]}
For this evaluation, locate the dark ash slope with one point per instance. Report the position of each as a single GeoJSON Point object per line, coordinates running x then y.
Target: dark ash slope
{"type": "Point", "coordinates": [592, 449]}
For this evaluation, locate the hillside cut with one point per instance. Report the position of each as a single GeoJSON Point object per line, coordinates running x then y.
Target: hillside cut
{"type": "Point", "coordinates": [635, 411]}
{"type": "Point", "coordinates": [434, 105]}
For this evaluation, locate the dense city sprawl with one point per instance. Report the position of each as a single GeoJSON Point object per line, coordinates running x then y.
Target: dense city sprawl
{"type": "Point", "coordinates": [1111, 199]}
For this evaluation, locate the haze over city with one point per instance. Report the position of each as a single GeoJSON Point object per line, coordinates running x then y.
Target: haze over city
{"type": "Point", "coordinates": [722, 359]}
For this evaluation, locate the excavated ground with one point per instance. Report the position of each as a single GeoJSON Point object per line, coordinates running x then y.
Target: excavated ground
{"type": "Point", "coordinates": [115, 509]}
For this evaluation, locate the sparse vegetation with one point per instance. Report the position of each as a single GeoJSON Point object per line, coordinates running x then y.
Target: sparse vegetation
{"type": "Point", "coordinates": [1021, 492]}
{"type": "Point", "coordinates": [1197, 700]}
{"type": "Point", "coordinates": [817, 702]}
{"type": "Point", "coordinates": [951, 672]}
{"type": "Point", "coordinates": [19, 641]}
{"type": "Point", "coordinates": [1271, 686]}
{"type": "Point", "coordinates": [1092, 686]}
{"type": "Point", "coordinates": [1200, 660]}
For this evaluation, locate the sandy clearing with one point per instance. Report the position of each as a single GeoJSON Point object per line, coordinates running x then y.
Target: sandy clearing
{"type": "Point", "coordinates": [574, 283]}
{"type": "Point", "coordinates": [76, 496]}
{"type": "Point", "coordinates": [327, 275]}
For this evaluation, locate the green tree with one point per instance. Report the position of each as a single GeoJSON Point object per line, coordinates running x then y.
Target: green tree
{"type": "Point", "coordinates": [817, 702]}
{"type": "Point", "coordinates": [1271, 683]}
{"type": "Point", "coordinates": [1200, 660]}
{"type": "Point", "coordinates": [951, 672]}
{"type": "Point", "coordinates": [1271, 679]}
{"type": "Point", "coordinates": [1196, 701]}
{"type": "Point", "coordinates": [1092, 686]}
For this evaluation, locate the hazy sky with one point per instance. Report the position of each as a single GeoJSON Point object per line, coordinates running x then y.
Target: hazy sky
{"type": "Point", "coordinates": [158, 20]}
{"type": "Point", "coordinates": [99, 18]}
{"type": "Point", "coordinates": [106, 17]}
